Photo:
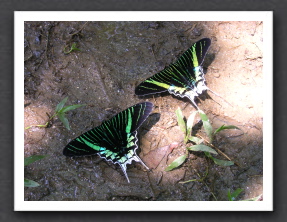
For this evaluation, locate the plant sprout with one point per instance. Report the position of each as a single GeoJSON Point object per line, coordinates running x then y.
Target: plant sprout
{"type": "Point", "coordinates": [73, 48]}
{"type": "Point", "coordinates": [186, 128]}
{"type": "Point", "coordinates": [60, 111]}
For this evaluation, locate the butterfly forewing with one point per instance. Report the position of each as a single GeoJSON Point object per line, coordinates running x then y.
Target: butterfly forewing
{"type": "Point", "coordinates": [194, 56]}
{"type": "Point", "coordinates": [86, 144]}
{"type": "Point", "coordinates": [130, 119]}
{"type": "Point", "coordinates": [158, 83]}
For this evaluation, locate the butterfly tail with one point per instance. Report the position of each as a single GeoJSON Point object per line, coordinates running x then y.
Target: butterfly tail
{"type": "Point", "coordinates": [124, 169]}
{"type": "Point", "coordinates": [137, 159]}
{"type": "Point", "coordinates": [193, 102]}
{"type": "Point", "coordinates": [124, 166]}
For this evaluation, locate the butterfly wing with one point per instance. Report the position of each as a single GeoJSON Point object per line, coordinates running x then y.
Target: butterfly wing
{"type": "Point", "coordinates": [102, 138]}
{"type": "Point", "coordinates": [180, 74]}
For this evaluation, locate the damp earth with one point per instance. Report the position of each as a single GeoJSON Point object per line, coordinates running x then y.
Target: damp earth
{"type": "Point", "coordinates": [114, 58]}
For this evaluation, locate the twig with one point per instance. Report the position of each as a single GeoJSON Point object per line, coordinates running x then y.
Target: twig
{"type": "Point", "coordinates": [201, 179]}
{"type": "Point", "coordinates": [218, 150]}
{"type": "Point", "coordinates": [79, 29]}
{"type": "Point", "coordinates": [45, 125]}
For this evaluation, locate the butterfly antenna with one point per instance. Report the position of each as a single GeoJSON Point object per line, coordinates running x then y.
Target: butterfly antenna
{"type": "Point", "coordinates": [219, 96]}
{"type": "Point", "coordinates": [144, 164]}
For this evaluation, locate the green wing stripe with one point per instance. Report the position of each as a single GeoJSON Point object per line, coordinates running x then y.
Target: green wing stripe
{"type": "Point", "coordinates": [160, 82]}
{"type": "Point", "coordinates": [129, 119]}
{"type": "Point", "coordinates": [189, 58]}
{"type": "Point", "coordinates": [93, 146]}
{"type": "Point", "coordinates": [163, 85]}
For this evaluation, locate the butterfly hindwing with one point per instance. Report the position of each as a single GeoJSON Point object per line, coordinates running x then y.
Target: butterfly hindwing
{"type": "Point", "coordinates": [118, 146]}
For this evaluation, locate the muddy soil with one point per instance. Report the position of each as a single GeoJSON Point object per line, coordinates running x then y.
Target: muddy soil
{"type": "Point", "coordinates": [115, 57]}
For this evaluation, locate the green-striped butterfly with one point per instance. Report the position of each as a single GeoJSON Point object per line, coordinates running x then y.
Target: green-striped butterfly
{"type": "Point", "coordinates": [184, 78]}
{"type": "Point", "coordinates": [115, 139]}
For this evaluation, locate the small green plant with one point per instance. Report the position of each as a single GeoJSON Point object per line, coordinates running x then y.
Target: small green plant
{"type": "Point", "coordinates": [73, 48]}
{"type": "Point", "coordinates": [60, 112]}
{"type": "Point", "coordinates": [186, 127]}
{"type": "Point", "coordinates": [27, 161]}
{"type": "Point", "coordinates": [232, 196]}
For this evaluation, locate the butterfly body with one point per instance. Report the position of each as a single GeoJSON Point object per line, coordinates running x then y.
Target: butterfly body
{"type": "Point", "coordinates": [184, 78]}
{"type": "Point", "coordinates": [114, 140]}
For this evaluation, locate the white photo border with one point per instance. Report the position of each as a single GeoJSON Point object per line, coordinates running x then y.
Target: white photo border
{"type": "Point", "coordinates": [21, 16]}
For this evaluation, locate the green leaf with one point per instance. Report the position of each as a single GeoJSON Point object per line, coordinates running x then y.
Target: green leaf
{"type": "Point", "coordinates": [206, 124]}
{"type": "Point", "coordinates": [218, 161]}
{"type": "Point", "coordinates": [203, 148]}
{"type": "Point", "coordinates": [188, 181]}
{"type": "Point", "coordinates": [32, 159]}
{"type": "Point", "coordinates": [229, 195]}
{"type": "Point", "coordinates": [61, 105]}
{"type": "Point", "coordinates": [68, 108]}
{"type": "Point", "coordinates": [180, 120]}
{"type": "Point", "coordinates": [223, 127]}
{"type": "Point", "coordinates": [64, 120]}
{"type": "Point", "coordinates": [189, 123]}
{"type": "Point", "coordinates": [232, 196]}
{"type": "Point", "coordinates": [223, 162]}
{"type": "Point", "coordinates": [74, 48]}
{"type": "Point", "coordinates": [176, 163]}
{"type": "Point", "coordinates": [203, 116]}
{"type": "Point", "coordinates": [30, 183]}
{"type": "Point", "coordinates": [195, 139]}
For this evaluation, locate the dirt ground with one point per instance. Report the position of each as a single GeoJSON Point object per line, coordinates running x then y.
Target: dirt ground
{"type": "Point", "coordinates": [114, 58]}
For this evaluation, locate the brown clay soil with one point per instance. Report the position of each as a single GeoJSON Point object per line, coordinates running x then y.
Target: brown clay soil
{"type": "Point", "coordinates": [114, 58]}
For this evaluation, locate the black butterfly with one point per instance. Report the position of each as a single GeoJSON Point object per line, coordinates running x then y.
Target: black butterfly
{"type": "Point", "coordinates": [115, 139]}
{"type": "Point", "coordinates": [184, 78]}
